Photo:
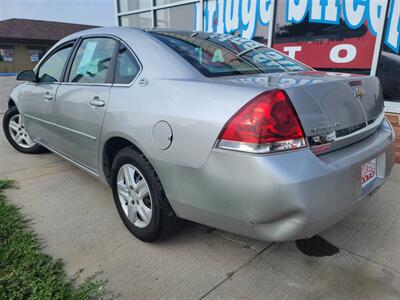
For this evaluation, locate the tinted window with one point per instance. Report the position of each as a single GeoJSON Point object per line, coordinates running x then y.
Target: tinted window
{"type": "Point", "coordinates": [51, 69]}
{"type": "Point", "coordinates": [127, 66]}
{"type": "Point", "coordinates": [223, 55]}
{"type": "Point", "coordinates": [92, 61]}
{"type": "Point", "coordinates": [388, 73]}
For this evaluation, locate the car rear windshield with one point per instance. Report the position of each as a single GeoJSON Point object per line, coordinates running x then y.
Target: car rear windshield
{"type": "Point", "coordinates": [217, 55]}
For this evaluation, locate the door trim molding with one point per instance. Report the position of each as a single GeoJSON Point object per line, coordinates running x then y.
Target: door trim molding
{"type": "Point", "coordinates": [62, 127]}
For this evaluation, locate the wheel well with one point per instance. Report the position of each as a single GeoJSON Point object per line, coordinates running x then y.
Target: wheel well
{"type": "Point", "coordinates": [111, 148]}
{"type": "Point", "coordinates": [11, 103]}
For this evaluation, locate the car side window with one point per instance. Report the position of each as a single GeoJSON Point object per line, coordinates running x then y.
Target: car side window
{"type": "Point", "coordinates": [92, 61]}
{"type": "Point", "coordinates": [51, 70]}
{"type": "Point", "coordinates": [127, 66]}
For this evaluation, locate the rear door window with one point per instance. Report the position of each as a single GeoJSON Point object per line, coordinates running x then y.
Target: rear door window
{"type": "Point", "coordinates": [127, 67]}
{"type": "Point", "coordinates": [92, 61]}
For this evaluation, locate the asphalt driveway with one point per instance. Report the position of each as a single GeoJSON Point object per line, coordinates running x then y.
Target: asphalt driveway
{"type": "Point", "coordinates": [75, 214]}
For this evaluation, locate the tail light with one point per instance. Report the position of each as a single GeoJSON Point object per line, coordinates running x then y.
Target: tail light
{"type": "Point", "coordinates": [268, 123]}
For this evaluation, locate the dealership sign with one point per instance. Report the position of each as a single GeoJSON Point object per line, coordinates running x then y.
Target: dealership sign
{"type": "Point", "coordinates": [242, 16]}
{"type": "Point", "coordinates": [229, 16]}
{"type": "Point", "coordinates": [345, 54]}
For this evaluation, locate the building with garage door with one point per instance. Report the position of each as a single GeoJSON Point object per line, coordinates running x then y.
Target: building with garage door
{"type": "Point", "coordinates": [23, 42]}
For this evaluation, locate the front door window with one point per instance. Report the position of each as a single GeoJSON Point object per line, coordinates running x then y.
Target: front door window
{"type": "Point", "coordinates": [92, 61]}
{"type": "Point", "coordinates": [51, 70]}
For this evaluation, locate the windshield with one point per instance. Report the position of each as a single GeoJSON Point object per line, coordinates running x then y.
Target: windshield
{"type": "Point", "coordinates": [225, 55]}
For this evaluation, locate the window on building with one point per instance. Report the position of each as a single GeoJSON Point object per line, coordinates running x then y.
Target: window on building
{"type": "Point", "coordinates": [51, 70]}
{"type": "Point", "coordinates": [6, 53]}
{"type": "Point", "coordinates": [35, 53]}
{"type": "Point", "coordinates": [161, 2]}
{"type": "Point", "coordinates": [92, 61]}
{"type": "Point", "coordinates": [137, 20]}
{"type": "Point", "coordinates": [161, 13]}
{"type": "Point", "coordinates": [389, 74]}
{"type": "Point", "coordinates": [261, 33]}
{"type": "Point", "coordinates": [128, 5]}
{"type": "Point", "coordinates": [127, 67]}
{"type": "Point", "coordinates": [178, 17]}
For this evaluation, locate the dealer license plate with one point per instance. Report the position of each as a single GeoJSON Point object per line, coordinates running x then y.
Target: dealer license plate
{"type": "Point", "coordinates": [368, 172]}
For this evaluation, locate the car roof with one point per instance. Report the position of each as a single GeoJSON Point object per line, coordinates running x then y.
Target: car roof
{"type": "Point", "coordinates": [146, 47]}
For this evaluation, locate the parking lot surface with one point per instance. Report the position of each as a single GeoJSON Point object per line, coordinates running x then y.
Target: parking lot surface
{"type": "Point", "coordinates": [75, 215]}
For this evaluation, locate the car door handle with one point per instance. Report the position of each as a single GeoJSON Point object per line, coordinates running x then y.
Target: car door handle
{"type": "Point", "coordinates": [97, 102]}
{"type": "Point", "coordinates": [47, 96]}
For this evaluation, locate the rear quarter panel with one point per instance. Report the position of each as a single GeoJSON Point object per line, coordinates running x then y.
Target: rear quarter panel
{"type": "Point", "coordinates": [195, 110]}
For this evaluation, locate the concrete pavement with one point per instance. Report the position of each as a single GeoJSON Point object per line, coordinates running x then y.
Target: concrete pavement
{"type": "Point", "coordinates": [6, 85]}
{"type": "Point", "coordinates": [76, 217]}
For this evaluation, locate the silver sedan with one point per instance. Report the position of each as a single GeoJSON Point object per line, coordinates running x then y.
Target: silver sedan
{"type": "Point", "coordinates": [212, 128]}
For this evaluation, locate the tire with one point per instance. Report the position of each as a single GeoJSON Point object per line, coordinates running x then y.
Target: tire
{"type": "Point", "coordinates": [27, 145]}
{"type": "Point", "coordinates": [129, 163]}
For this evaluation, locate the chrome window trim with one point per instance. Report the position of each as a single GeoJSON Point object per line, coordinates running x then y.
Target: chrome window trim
{"type": "Point", "coordinates": [121, 85]}
{"type": "Point", "coordinates": [35, 83]}
{"type": "Point", "coordinates": [85, 84]}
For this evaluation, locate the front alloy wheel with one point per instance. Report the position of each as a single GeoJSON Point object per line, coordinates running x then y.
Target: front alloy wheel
{"type": "Point", "coordinates": [16, 134]}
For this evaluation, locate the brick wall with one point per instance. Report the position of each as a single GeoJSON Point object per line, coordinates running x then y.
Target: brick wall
{"type": "Point", "coordinates": [394, 119]}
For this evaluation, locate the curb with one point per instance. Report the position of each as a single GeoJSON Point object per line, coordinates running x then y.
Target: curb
{"type": "Point", "coordinates": [8, 74]}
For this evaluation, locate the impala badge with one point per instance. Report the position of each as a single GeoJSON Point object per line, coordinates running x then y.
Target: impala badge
{"type": "Point", "coordinates": [359, 93]}
{"type": "Point", "coordinates": [326, 128]}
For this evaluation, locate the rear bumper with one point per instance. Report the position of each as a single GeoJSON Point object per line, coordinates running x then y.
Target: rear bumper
{"type": "Point", "coordinates": [277, 197]}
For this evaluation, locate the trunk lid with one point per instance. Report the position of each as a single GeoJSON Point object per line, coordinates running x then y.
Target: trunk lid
{"type": "Point", "coordinates": [336, 107]}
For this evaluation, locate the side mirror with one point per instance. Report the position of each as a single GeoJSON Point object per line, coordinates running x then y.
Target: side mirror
{"type": "Point", "coordinates": [27, 75]}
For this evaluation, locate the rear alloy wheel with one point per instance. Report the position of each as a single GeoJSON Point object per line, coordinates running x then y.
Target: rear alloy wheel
{"type": "Point", "coordinates": [134, 196]}
{"type": "Point", "coordinates": [17, 135]}
{"type": "Point", "coordinates": [140, 198]}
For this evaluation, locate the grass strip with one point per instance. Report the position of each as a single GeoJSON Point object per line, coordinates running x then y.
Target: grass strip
{"type": "Point", "coordinates": [25, 271]}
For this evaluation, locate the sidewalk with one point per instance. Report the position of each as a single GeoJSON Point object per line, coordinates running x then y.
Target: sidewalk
{"type": "Point", "coordinates": [6, 85]}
